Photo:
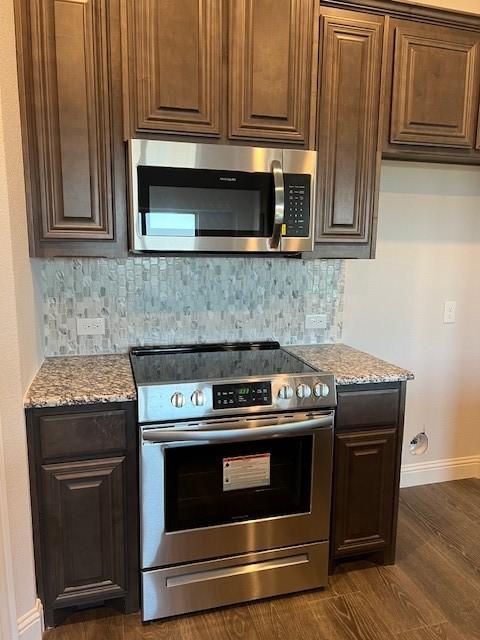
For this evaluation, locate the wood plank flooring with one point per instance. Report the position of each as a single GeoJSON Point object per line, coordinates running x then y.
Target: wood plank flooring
{"type": "Point", "coordinates": [432, 593]}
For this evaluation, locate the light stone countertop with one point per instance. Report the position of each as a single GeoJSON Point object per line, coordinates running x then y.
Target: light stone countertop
{"type": "Point", "coordinates": [74, 380]}
{"type": "Point", "coordinates": [350, 365]}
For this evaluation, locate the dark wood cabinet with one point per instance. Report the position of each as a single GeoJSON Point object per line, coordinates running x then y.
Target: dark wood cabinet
{"type": "Point", "coordinates": [365, 463]}
{"type": "Point", "coordinates": [348, 132]}
{"type": "Point", "coordinates": [270, 53]}
{"type": "Point", "coordinates": [228, 69]}
{"type": "Point", "coordinates": [84, 522]}
{"type": "Point", "coordinates": [71, 95]}
{"type": "Point", "coordinates": [84, 488]}
{"type": "Point", "coordinates": [175, 72]}
{"type": "Point", "coordinates": [432, 93]}
{"type": "Point", "coordinates": [367, 457]}
{"type": "Point", "coordinates": [435, 85]}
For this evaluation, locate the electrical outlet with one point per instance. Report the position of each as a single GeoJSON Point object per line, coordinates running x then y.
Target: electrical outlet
{"type": "Point", "coordinates": [449, 312]}
{"type": "Point", "coordinates": [316, 321]}
{"type": "Point", "coordinates": [90, 326]}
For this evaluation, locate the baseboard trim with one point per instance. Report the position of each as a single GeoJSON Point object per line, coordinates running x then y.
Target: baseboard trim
{"type": "Point", "coordinates": [30, 625]}
{"type": "Point", "coordinates": [440, 471]}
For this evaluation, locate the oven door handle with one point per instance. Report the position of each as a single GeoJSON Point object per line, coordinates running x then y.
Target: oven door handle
{"type": "Point", "coordinates": [279, 214]}
{"type": "Point", "coordinates": [237, 435]}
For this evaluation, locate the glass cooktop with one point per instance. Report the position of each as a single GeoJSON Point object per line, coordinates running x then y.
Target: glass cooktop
{"type": "Point", "coordinates": [164, 364]}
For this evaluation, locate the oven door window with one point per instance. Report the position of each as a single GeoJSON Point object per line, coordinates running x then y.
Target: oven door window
{"type": "Point", "coordinates": [203, 202]}
{"type": "Point", "coordinates": [197, 493]}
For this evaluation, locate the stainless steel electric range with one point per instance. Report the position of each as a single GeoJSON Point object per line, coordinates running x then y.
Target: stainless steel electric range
{"type": "Point", "coordinates": [235, 474]}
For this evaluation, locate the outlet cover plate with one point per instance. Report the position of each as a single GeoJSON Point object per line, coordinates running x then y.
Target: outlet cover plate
{"type": "Point", "coordinates": [449, 312]}
{"type": "Point", "coordinates": [90, 326]}
{"type": "Point", "coordinates": [316, 321]}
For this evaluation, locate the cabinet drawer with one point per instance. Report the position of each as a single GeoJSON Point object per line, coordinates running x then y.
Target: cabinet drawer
{"type": "Point", "coordinates": [81, 434]}
{"type": "Point", "coordinates": [367, 408]}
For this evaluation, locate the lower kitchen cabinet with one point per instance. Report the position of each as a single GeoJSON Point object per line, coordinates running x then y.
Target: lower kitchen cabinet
{"type": "Point", "coordinates": [367, 452]}
{"type": "Point", "coordinates": [83, 473]}
{"type": "Point", "coordinates": [365, 465]}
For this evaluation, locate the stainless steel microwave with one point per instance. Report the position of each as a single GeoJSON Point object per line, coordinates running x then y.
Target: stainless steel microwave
{"type": "Point", "coordinates": [213, 198]}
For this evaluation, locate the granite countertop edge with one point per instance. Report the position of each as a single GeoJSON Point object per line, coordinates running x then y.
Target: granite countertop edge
{"type": "Point", "coordinates": [344, 381]}
{"type": "Point", "coordinates": [55, 401]}
{"type": "Point", "coordinates": [68, 381]}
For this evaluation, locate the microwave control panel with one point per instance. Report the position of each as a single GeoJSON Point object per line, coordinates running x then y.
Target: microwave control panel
{"type": "Point", "coordinates": [297, 204]}
{"type": "Point", "coordinates": [248, 394]}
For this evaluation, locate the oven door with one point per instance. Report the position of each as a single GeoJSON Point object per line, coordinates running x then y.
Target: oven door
{"type": "Point", "coordinates": [213, 198]}
{"type": "Point", "coordinates": [225, 487]}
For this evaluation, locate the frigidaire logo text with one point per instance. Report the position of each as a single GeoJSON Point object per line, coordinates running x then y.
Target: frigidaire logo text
{"type": "Point", "coordinates": [227, 179]}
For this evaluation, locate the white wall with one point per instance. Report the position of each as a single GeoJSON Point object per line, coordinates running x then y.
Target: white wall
{"type": "Point", "coordinates": [19, 349]}
{"type": "Point", "coordinates": [428, 252]}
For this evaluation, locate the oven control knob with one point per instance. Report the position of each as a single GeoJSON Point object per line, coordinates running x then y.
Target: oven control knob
{"type": "Point", "coordinates": [321, 390]}
{"type": "Point", "coordinates": [304, 391]}
{"type": "Point", "coordinates": [198, 398]}
{"type": "Point", "coordinates": [178, 399]}
{"type": "Point", "coordinates": [286, 392]}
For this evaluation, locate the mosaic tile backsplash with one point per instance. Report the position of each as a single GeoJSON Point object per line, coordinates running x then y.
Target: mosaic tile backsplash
{"type": "Point", "coordinates": [166, 300]}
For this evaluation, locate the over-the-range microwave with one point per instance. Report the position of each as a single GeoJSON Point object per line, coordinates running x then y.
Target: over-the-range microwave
{"type": "Point", "coordinates": [217, 198]}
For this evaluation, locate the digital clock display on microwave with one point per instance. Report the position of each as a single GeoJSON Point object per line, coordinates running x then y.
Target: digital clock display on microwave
{"type": "Point", "coordinates": [232, 396]}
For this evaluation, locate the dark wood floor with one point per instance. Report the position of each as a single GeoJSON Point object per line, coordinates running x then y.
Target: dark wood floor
{"type": "Point", "coordinates": [432, 593]}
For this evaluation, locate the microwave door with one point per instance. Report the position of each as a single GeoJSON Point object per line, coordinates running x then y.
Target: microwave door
{"type": "Point", "coordinates": [210, 210]}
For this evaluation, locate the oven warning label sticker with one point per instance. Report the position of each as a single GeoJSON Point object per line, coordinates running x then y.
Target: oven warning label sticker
{"type": "Point", "coordinates": [243, 472]}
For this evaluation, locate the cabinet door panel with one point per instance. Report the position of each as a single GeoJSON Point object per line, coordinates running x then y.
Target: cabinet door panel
{"type": "Point", "coordinates": [348, 116]}
{"type": "Point", "coordinates": [363, 491]}
{"type": "Point", "coordinates": [270, 65]}
{"type": "Point", "coordinates": [71, 83]}
{"type": "Point", "coordinates": [177, 47]}
{"type": "Point", "coordinates": [435, 85]}
{"type": "Point", "coordinates": [69, 70]}
{"type": "Point", "coordinates": [83, 521]}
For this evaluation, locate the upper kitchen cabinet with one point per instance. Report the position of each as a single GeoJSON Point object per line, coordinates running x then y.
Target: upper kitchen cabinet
{"type": "Point", "coordinates": [434, 72]}
{"type": "Point", "coordinates": [230, 70]}
{"type": "Point", "coordinates": [269, 79]}
{"type": "Point", "coordinates": [348, 133]}
{"type": "Point", "coordinates": [70, 95]}
{"type": "Point", "coordinates": [175, 66]}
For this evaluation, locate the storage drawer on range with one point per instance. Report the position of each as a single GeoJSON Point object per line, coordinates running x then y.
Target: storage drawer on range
{"type": "Point", "coordinates": [203, 585]}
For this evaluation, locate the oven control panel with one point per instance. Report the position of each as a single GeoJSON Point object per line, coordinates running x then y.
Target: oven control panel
{"type": "Point", "coordinates": [193, 400]}
{"type": "Point", "coordinates": [247, 394]}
